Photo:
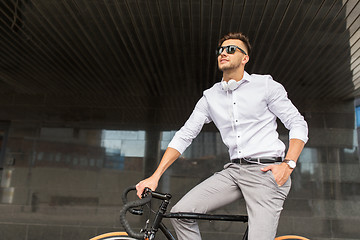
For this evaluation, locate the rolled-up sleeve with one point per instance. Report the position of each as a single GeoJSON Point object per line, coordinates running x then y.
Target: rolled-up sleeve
{"type": "Point", "coordinates": [184, 137]}
{"type": "Point", "coordinates": [282, 107]}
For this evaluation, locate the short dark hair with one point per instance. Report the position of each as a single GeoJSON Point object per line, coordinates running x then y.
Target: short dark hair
{"type": "Point", "coordinates": [237, 35]}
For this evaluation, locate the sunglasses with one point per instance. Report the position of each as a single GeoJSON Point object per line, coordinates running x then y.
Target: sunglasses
{"type": "Point", "coordinates": [231, 49]}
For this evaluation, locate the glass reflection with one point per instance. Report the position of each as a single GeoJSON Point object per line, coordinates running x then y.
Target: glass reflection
{"type": "Point", "coordinates": [69, 175]}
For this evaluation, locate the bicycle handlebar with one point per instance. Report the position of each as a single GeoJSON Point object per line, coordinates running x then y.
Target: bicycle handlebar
{"type": "Point", "coordinates": [128, 207]}
{"type": "Point", "coordinates": [124, 200]}
{"type": "Point", "coordinates": [125, 193]}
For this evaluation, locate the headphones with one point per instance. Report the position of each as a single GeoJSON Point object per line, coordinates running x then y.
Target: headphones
{"type": "Point", "coordinates": [230, 85]}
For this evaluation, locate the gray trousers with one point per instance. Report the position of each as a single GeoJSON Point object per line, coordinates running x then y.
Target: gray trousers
{"type": "Point", "coordinates": [264, 200]}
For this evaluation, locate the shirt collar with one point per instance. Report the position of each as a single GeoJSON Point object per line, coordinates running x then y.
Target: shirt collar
{"type": "Point", "coordinates": [246, 77]}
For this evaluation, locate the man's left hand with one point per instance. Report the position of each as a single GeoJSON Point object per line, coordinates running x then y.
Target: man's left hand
{"type": "Point", "coordinates": [281, 172]}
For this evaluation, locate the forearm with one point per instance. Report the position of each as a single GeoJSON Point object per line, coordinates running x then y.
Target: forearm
{"type": "Point", "coordinates": [168, 158]}
{"type": "Point", "coordinates": [295, 148]}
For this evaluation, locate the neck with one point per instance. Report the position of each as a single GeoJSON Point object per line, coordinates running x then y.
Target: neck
{"type": "Point", "coordinates": [236, 74]}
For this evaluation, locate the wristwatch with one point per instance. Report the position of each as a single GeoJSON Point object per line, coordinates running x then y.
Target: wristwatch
{"type": "Point", "coordinates": [291, 163]}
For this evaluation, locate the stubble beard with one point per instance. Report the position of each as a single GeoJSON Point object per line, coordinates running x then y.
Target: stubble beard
{"type": "Point", "coordinates": [231, 66]}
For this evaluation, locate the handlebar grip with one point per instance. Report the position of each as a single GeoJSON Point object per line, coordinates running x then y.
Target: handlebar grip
{"type": "Point", "coordinates": [124, 198]}
{"type": "Point", "coordinates": [132, 188]}
{"type": "Point", "coordinates": [125, 222]}
{"type": "Point", "coordinates": [125, 192]}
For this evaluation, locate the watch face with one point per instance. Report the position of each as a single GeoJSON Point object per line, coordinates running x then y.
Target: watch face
{"type": "Point", "coordinates": [292, 164]}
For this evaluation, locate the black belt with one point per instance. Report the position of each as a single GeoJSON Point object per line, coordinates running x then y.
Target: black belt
{"type": "Point", "coordinates": [257, 160]}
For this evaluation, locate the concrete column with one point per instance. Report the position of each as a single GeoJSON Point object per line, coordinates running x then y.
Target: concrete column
{"type": "Point", "coordinates": [152, 151]}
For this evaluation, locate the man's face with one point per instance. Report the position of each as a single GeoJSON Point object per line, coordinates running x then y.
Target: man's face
{"type": "Point", "coordinates": [228, 61]}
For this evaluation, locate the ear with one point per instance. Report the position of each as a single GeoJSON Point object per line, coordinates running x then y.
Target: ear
{"type": "Point", "coordinates": [245, 59]}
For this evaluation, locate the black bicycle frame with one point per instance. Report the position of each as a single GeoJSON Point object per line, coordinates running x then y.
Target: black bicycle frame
{"type": "Point", "coordinates": [197, 216]}
{"type": "Point", "coordinates": [161, 213]}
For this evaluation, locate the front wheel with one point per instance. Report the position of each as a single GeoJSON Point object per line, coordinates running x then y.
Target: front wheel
{"type": "Point", "coordinates": [291, 237]}
{"type": "Point", "coordinates": [113, 236]}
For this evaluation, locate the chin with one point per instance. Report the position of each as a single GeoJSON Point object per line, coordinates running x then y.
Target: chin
{"type": "Point", "coordinates": [224, 68]}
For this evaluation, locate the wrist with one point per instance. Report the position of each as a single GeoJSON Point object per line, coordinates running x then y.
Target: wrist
{"type": "Point", "coordinates": [290, 163]}
{"type": "Point", "coordinates": [156, 176]}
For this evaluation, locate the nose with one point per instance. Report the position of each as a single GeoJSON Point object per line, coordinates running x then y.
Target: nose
{"type": "Point", "coordinates": [223, 53]}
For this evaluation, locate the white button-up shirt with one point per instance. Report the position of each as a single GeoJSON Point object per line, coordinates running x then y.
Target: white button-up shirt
{"type": "Point", "coordinates": [246, 118]}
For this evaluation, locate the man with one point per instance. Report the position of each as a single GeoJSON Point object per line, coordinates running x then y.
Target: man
{"type": "Point", "coordinates": [244, 108]}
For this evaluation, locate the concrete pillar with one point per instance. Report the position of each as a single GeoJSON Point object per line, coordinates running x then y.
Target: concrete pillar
{"type": "Point", "coordinates": [152, 151]}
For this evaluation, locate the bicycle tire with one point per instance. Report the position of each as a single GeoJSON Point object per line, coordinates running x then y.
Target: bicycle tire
{"type": "Point", "coordinates": [291, 237]}
{"type": "Point", "coordinates": [113, 236]}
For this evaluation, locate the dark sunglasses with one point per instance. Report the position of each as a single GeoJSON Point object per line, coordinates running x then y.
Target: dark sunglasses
{"type": "Point", "coordinates": [231, 49]}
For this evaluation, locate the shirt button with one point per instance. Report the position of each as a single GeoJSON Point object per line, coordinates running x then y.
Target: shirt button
{"type": "Point", "coordinates": [238, 136]}
{"type": "Point", "coordinates": [239, 151]}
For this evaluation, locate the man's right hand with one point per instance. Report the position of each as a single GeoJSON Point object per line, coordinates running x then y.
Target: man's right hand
{"type": "Point", "coordinates": [146, 183]}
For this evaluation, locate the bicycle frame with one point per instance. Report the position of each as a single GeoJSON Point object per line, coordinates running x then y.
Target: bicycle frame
{"type": "Point", "coordinates": [150, 232]}
{"type": "Point", "coordinates": [199, 216]}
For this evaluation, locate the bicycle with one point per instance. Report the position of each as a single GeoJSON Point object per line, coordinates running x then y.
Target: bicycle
{"type": "Point", "coordinates": [149, 231]}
